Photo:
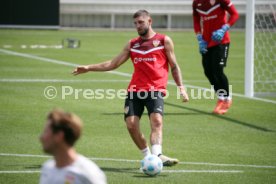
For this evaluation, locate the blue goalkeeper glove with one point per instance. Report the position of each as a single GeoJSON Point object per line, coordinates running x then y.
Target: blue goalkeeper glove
{"type": "Point", "coordinates": [218, 35]}
{"type": "Point", "coordinates": [202, 44]}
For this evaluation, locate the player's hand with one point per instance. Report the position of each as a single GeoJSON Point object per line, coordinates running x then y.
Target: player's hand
{"type": "Point", "coordinates": [202, 44]}
{"type": "Point", "coordinates": [80, 70]}
{"type": "Point", "coordinates": [184, 94]}
{"type": "Point", "coordinates": [218, 35]}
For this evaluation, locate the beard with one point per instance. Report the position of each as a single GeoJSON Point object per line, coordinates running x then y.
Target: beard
{"type": "Point", "coordinates": [144, 32]}
{"type": "Point", "coordinates": [47, 149]}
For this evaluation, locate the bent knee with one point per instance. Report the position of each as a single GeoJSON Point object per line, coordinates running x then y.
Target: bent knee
{"type": "Point", "coordinates": [132, 124]}
{"type": "Point", "coordinates": [156, 122]}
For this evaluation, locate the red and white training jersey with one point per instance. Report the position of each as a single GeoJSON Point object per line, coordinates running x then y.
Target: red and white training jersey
{"type": "Point", "coordinates": [213, 15]}
{"type": "Point", "coordinates": [150, 64]}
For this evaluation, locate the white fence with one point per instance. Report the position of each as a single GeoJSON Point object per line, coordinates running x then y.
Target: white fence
{"type": "Point", "coordinates": [118, 13]}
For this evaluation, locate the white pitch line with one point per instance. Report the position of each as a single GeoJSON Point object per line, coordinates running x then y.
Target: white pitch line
{"type": "Point", "coordinates": [58, 80]}
{"type": "Point", "coordinates": [163, 171]}
{"type": "Point", "coordinates": [114, 72]}
{"type": "Point", "coordinates": [54, 61]}
{"type": "Point", "coordinates": [202, 171]}
{"type": "Point", "coordinates": [23, 155]}
{"type": "Point", "coordinates": [229, 165]}
{"type": "Point", "coordinates": [38, 58]}
{"type": "Point", "coordinates": [114, 159]}
{"type": "Point", "coordinates": [191, 163]}
{"type": "Point", "coordinates": [88, 80]}
{"type": "Point", "coordinates": [18, 172]}
{"type": "Point", "coordinates": [234, 94]}
{"type": "Point", "coordinates": [127, 160]}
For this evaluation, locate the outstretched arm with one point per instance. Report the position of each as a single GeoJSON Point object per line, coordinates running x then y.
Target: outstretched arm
{"type": "Point", "coordinates": [176, 72]}
{"type": "Point", "coordinates": [105, 66]}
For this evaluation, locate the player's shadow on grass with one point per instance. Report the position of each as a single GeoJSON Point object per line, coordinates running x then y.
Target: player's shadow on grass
{"type": "Point", "coordinates": [141, 175]}
{"type": "Point", "coordinates": [166, 113]}
{"type": "Point", "coordinates": [232, 120]}
{"type": "Point", "coordinates": [23, 166]}
{"type": "Point", "coordinates": [200, 112]}
{"type": "Point", "coordinates": [135, 171]}
{"type": "Point", "coordinates": [120, 170]}
{"type": "Point", "coordinates": [38, 166]}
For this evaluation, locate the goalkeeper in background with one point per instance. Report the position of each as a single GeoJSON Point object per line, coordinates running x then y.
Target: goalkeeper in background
{"type": "Point", "coordinates": [214, 42]}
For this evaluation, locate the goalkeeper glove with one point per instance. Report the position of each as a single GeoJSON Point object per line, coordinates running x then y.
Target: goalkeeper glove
{"type": "Point", "coordinates": [202, 44]}
{"type": "Point", "coordinates": [219, 34]}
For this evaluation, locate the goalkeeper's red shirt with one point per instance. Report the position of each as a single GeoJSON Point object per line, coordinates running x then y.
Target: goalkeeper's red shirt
{"type": "Point", "coordinates": [150, 64]}
{"type": "Point", "coordinates": [213, 15]}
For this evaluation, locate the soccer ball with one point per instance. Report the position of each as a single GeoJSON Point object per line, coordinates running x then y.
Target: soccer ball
{"type": "Point", "coordinates": [151, 165]}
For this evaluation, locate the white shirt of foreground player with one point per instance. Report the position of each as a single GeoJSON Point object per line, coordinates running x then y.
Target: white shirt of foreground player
{"type": "Point", "coordinates": [82, 171]}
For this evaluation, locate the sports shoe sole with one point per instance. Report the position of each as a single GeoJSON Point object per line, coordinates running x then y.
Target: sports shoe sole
{"type": "Point", "coordinates": [170, 163]}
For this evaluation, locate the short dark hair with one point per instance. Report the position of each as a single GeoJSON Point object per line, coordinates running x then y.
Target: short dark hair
{"type": "Point", "coordinates": [141, 13]}
{"type": "Point", "coordinates": [68, 123]}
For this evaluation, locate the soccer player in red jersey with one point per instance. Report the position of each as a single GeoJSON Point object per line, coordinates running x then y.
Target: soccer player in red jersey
{"type": "Point", "coordinates": [151, 54]}
{"type": "Point", "coordinates": [214, 41]}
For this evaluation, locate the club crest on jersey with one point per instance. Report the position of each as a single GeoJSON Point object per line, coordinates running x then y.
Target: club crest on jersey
{"type": "Point", "coordinates": [136, 45]}
{"type": "Point", "coordinates": [155, 43]}
{"type": "Point", "coordinates": [212, 2]}
{"type": "Point", "coordinates": [69, 179]}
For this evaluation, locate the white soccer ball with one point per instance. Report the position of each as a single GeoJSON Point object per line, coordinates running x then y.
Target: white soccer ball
{"type": "Point", "coordinates": [152, 165]}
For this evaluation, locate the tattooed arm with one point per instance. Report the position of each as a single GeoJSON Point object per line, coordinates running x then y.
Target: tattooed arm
{"type": "Point", "coordinates": [176, 72]}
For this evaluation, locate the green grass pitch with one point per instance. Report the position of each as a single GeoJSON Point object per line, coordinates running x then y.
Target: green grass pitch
{"type": "Point", "coordinates": [239, 147]}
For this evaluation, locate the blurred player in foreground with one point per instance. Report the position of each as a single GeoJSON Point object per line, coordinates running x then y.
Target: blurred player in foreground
{"type": "Point", "coordinates": [151, 54]}
{"type": "Point", "coordinates": [214, 44]}
{"type": "Point", "coordinates": [61, 132]}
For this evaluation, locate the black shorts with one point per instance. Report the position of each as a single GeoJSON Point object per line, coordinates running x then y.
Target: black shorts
{"type": "Point", "coordinates": [216, 55]}
{"type": "Point", "coordinates": [136, 101]}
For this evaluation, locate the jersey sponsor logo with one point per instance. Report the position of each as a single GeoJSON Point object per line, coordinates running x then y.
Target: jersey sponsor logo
{"type": "Point", "coordinates": [155, 43]}
{"type": "Point", "coordinates": [212, 2]}
{"type": "Point", "coordinates": [136, 45]}
{"type": "Point", "coordinates": [140, 59]}
{"type": "Point", "coordinates": [210, 17]}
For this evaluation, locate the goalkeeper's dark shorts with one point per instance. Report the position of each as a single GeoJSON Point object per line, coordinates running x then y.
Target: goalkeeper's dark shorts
{"type": "Point", "coordinates": [136, 102]}
{"type": "Point", "coordinates": [216, 57]}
